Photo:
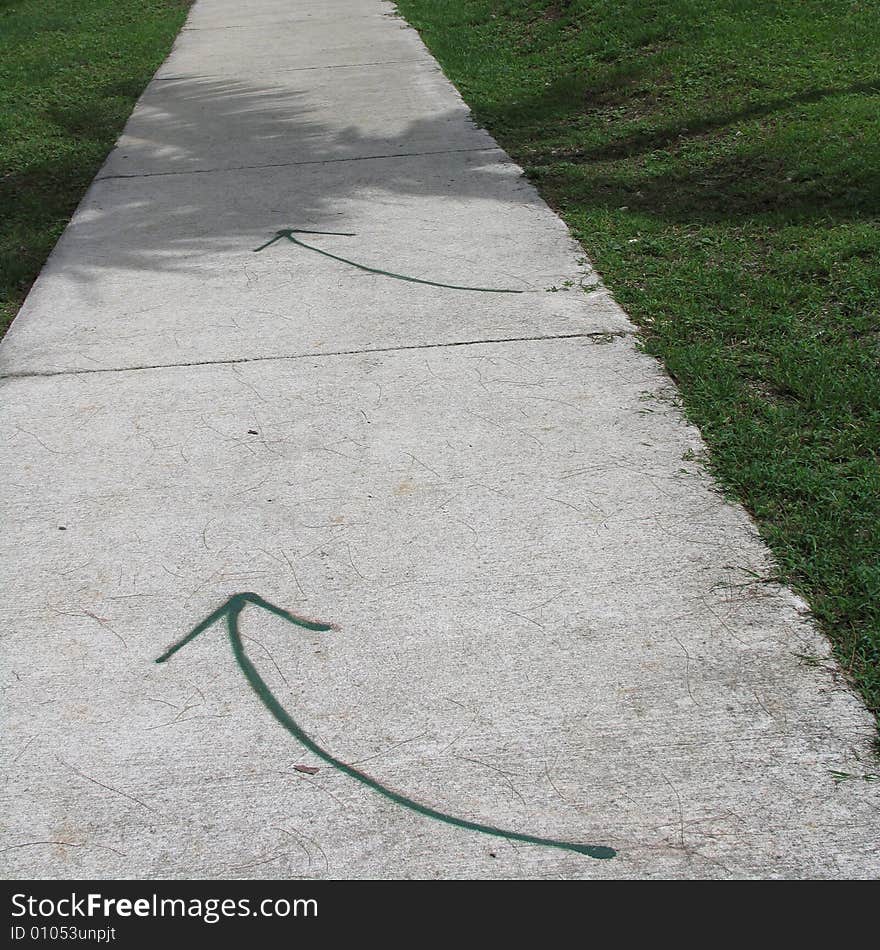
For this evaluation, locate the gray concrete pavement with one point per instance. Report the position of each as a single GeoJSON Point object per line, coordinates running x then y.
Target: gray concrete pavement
{"type": "Point", "coordinates": [548, 619]}
{"type": "Point", "coordinates": [161, 269]}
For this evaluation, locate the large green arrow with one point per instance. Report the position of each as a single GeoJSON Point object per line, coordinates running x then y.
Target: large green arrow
{"type": "Point", "coordinates": [289, 234]}
{"type": "Point", "coordinates": [231, 610]}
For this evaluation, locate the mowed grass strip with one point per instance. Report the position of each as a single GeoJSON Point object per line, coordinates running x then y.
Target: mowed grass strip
{"type": "Point", "coordinates": [70, 73]}
{"type": "Point", "coordinates": [719, 163]}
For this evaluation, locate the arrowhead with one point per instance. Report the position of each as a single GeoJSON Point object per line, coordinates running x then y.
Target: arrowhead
{"type": "Point", "coordinates": [232, 608]}
{"type": "Point", "coordinates": [286, 232]}
{"type": "Point", "coordinates": [289, 234]}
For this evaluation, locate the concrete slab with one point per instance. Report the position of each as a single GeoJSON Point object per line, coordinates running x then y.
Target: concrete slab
{"type": "Point", "coordinates": [302, 116]}
{"type": "Point", "coordinates": [234, 15]}
{"type": "Point", "coordinates": [325, 43]}
{"type": "Point", "coordinates": [162, 270]}
{"type": "Point", "coordinates": [549, 621]}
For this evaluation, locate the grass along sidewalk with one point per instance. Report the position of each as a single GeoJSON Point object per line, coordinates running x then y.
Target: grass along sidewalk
{"type": "Point", "coordinates": [70, 73]}
{"type": "Point", "coordinates": [718, 161]}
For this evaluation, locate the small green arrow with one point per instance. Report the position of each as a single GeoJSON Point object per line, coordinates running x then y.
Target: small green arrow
{"type": "Point", "coordinates": [289, 234]}
{"type": "Point", "coordinates": [231, 611]}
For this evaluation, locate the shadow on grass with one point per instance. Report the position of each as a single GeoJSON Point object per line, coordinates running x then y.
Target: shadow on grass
{"type": "Point", "coordinates": [37, 201]}
{"type": "Point", "coordinates": [190, 126]}
{"type": "Point", "coordinates": [674, 171]}
{"type": "Point", "coordinates": [649, 140]}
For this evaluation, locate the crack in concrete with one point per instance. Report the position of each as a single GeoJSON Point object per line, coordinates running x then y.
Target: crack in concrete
{"type": "Point", "coordinates": [595, 335]}
{"type": "Point", "coordinates": [313, 161]}
{"type": "Point", "coordinates": [302, 69]}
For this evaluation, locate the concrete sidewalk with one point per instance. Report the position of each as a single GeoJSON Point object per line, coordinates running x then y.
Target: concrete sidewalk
{"type": "Point", "coordinates": [547, 620]}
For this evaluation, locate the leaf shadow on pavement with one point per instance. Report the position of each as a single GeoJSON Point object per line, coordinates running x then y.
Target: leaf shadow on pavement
{"type": "Point", "coordinates": [215, 165]}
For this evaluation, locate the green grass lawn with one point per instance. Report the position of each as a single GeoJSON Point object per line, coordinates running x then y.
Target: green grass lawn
{"type": "Point", "coordinates": [719, 160]}
{"type": "Point", "coordinates": [70, 72]}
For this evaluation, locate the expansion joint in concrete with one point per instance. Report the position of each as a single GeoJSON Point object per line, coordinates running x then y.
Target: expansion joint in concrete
{"type": "Point", "coordinates": [323, 161]}
{"type": "Point", "coordinates": [599, 336]}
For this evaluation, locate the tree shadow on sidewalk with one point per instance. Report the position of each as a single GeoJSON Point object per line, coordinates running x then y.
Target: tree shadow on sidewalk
{"type": "Point", "coordinates": [211, 165]}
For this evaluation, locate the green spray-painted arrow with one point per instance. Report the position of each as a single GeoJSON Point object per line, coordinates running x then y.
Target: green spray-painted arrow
{"type": "Point", "coordinates": [289, 234]}
{"type": "Point", "coordinates": [231, 610]}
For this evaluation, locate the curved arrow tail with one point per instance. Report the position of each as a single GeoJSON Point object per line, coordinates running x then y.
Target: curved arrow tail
{"type": "Point", "coordinates": [233, 608]}
{"type": "Point", "coordinates": [374, 270]}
